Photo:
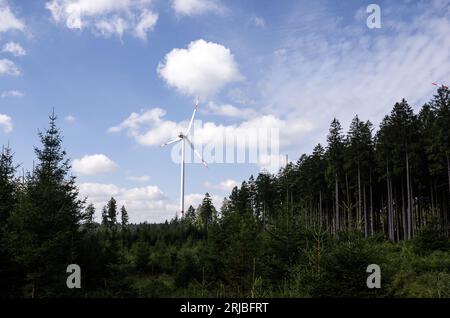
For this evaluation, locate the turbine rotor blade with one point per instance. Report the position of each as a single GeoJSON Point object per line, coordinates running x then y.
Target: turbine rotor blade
{"type": "Point", "coordinates": [197, 101]}
{"type": "Point", "coordinates": [440, 85]}
{"type": "Point", "coordinates": [199, 156]}
{"type": "Point", "coordinates": [170, 142]}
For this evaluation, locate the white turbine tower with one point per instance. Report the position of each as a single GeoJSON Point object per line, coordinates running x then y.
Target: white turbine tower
{"type": "Point", "coordinates": [184, 138]}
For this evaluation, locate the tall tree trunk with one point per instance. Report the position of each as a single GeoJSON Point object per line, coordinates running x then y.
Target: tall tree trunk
{"type": "Point", "coordinates": [389, 218]}
{"type": "Point", "coordinates": [366, 226]}
{"type": "Point", "coordinates": [320, 208]}
{"type": "Point", "coordinates": [359, 194]}
{"type": "Point", "coordinates": [371, 206]}
{"type": "Point", "coordinates": [408, 184]}
{"type": "Point", "coordinates": [448, 174]}
{"type": "Point", "coordinates": [337, 202]}
{"type": "Point", "coordinates": [349, 210]}
{"type": "Point", "coordinates": [404, 217]}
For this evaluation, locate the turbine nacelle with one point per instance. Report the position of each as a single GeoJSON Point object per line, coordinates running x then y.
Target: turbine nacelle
{"type": "Point", "coordinates": [183, 138]}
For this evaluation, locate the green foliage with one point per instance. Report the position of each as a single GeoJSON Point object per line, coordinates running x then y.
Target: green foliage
{"type": "Point", "coordinates": [42, 230]}
{"type": "Point", "coordinates": [310, 230]}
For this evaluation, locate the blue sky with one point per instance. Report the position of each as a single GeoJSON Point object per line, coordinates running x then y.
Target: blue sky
{"type": "Point", "coordinates": [289, 65]}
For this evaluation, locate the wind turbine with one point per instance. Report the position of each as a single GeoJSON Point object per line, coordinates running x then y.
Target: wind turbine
{"type": "Point", "coordinates": [184, 138]}
{"type": "Point", "coordinates": [440, 85]}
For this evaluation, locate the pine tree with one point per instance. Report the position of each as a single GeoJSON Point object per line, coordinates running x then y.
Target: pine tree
{"type": "Point", "coordinates": [8, 199]}
{"type": "Point", "coordinates": [89, 214]}
{"type": "Point", "coordinates": [190, 215]}
{"type": "Point", "coordinates": [335, 154]}
{"type": "Point", "coordinates": [7, 185]}
{"type": "Point", "coordinates": [111, 207]}
{"type": "Point", "coordinates": [358, 161]}
{"type": "Point", "coordinates": [43, 229]}
{"type": "Point", "coordinates": [124, 215]}
{"type": "Point", "coordinates": [207, 212]}
{"type": "Point", "coordinates": [105, 220]}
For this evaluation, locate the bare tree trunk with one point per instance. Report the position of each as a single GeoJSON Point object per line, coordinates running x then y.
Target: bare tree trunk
{"type": "Point", "coordinates": [337, 202]}
{"type": "Point", "coordinates": [366, 228]}
{"type": "Point", "coordinates": [408, 184]}
{"type": "Point", "coordinates": [405, 230]}
{"type": "Point", "coordinates": [349, 210]}
{"type": "Point", "coordinates": [448, 173]}
{"type": "Point", "coordinates": [359, 195]}
{"type": "Point", "coordinates": [389, 218]}
{"type": "Point", "coordinates": [371, 206]}
{"type": "Point", "coordinates": [320, 208]}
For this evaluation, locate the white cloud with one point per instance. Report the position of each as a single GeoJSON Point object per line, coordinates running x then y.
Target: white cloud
{"type": "Point", "coordinates": [8, 21]}
{"type": "Point", "coordinates": [146, 23]}
{"type": "Point", "coordinates": [197, 7]}
{"type": "Point", "coordinates": [226, 185]}
{"type": "Point", "coordinates": [14, 48]}
{"type": "Point", "coordinates": [143, 203]}
{"type": "Point", "coordinates": [258, 21]}
{"type": "Point", "coordinates": [150, 128]}
{"type": "Point", "coordinates": [6, 123]}
{"type": "Point", "coordinates": [195, 199]}
{"type": "Point", "coordinates": [201, 69]}
{"type": "Point", "coordinates": [8, 67]}
{"type": "Point", "coordinates": [139, 178]}
{"type": "Point", "coordinates": [13, 93]}
{"type": "Point", "coordinates": [93, 164]}
{"type": "Point", "coordinates": [313, 77]}
{"type": "Point", "coordinates": [113, 26]}
{"type": "Point", "coordinates": [105, 17]}
{"type": "Point", "coordinates": [70, 118]}
{"type": "Point", "coordinates": [228, 110]}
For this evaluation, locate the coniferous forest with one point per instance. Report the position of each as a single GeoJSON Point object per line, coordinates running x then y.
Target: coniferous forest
{"type": "Point", "coordinates": [370, 195]}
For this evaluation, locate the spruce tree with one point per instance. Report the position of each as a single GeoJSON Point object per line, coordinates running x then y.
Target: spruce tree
{"type": "Point", "coordinates": [335, 156]}
{"type": "Point", "coordinates": [7, 184]}
{"type": "Point", "coordinates": [43, 227]}
{"type": "Point", "coordinates": [9, 273]}
{"type": "Point", "coordinates": [105, 220]}
{"type": "Point", "coordinates": [123, 215]}
{"type": "Point", "coordinates": [89, 214]}
{"type": "Point", "coordinates": [112, 211]}
{"type": "Point", "coordinates": [207, 212]}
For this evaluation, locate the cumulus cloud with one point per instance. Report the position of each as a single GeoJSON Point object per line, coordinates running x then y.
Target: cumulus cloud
{"type": "Point", "coordinates": [197, 7]}
{"type": "Point", "coordinates": [8, 67]}
{"type": "Point", "coordinates": [139, 178]}
{"type": "Point", "coordinates": [195, 199]}
{"type": "Point", "coordinates": [258, 21]}
{"type": "Point", "coordinates": [146, 23]}
{"type": "Point", "coordinates": [93, 164]}
{"type": "Point", "coordinates": [149, 128]}
{"type": "Point", "coordinates": [262, 134]}
{"type": "Point", "coordinates": [228, 110]}
{"type": "Point", "coordinates": [12, 93]}
{"type": "Point", "coordinates": [203, 68]}
{"type": "Point", "coordinates": [105, 17]}
{"type": "Point", "coordinates": [8, 21]}
{"type": "Point", "coordinates": [6, 123]}
{"type": "Point", "coordinates": [14, 48]}
{"type": "Point", "coordinates": [70, 118]}
{"type": "Point", "coordinates": [226, 185]}
{"type": "Point", "coordinates": [144, 204]}
{"type": "Point", "coordinates": [314, 78]}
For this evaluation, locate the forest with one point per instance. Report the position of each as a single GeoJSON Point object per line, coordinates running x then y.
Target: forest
{"type": "Point", "coordinates": [367, 196]}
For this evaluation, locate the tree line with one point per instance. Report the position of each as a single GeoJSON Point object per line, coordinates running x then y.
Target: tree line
{"type": "Point", "coordinates": [309, 231]}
